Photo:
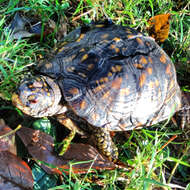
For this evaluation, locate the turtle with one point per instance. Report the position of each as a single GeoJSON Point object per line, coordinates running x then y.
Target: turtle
{"type": "Point", "coordinates": [110, 76]}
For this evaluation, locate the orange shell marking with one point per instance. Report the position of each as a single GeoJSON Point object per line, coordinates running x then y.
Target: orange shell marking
{"type": "Point", "coordinates": [117, 83]}
{"type": "Point", "coordinates": [143, 60]}
{"type": "Point", "coordinates": [84, 57]}
{"type": "Point", "coordinates": [163, 58]}
{"type": "Point", "coordinates": [74, 91]}
{"type": "Point", "coordinates": [142, 79]}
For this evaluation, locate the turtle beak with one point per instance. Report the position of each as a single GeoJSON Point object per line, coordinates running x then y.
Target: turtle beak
{"type": "Point", "coordinates": [15, 99]}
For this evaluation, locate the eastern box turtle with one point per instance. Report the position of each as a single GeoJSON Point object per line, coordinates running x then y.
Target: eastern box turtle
{"type": "Point", "coordinates": [110, 76]}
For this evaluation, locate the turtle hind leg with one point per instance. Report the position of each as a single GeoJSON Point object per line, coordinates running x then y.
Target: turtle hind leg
{"type": "Point", "coordinates": [105, 144]}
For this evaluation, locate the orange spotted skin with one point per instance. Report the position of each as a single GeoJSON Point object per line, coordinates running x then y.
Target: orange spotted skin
{"type": "Point", "coordinates": [115, 76]}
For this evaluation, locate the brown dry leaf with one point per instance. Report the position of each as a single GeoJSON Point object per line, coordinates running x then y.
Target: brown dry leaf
{"type": "Point", "coordinates": [41, 147]}
{"type": "Point", "coordinates": [159, 27]}
{"type": "Point", "coordinates": [18, 27]}
{"type": "Point", "coordinates": [14, 172]}
{"type": "Point", "coordinates": [85, 152]}
{"type": "Point", "coordinates": [23, 27]}
{"type": "Point", "coordinates": [7, 142]}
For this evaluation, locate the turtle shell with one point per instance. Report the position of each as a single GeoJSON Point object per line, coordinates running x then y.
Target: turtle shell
{"type": "Point", "coordinates": [114, 76]}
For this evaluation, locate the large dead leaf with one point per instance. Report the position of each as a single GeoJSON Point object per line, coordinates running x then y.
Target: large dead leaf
{"type": "Point", "coordinates": [18, 27]}
{"type": "Point", "coordinates": [84, 152]}
{"type": "Point", "coordinates": [23, 27]}
{"type": "Point", "coordinates": [7, 142]}
{"type": "Point", "coordinates": [159, 27]}
{"type": "Point", "coordinates": [14, 172]}
{"type": "Point", "coordinates": [41, 147]}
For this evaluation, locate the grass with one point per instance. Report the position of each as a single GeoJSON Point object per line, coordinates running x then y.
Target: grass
{"type": "Point", "coordinates": [150, 166]}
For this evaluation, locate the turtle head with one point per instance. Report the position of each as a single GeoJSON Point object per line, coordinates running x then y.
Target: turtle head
{"type": "Point", "coordinates": [39, 97]}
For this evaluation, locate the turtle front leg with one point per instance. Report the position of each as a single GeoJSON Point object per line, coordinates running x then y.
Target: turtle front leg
{"type": "Point", "coordinates": [105, 144]}
{"type": "Point", "coordinates": [102, 137]}
{"type": "Point", "coordinates": [63, 146]}
{"type": "Point", "coordinates": [67, 122]}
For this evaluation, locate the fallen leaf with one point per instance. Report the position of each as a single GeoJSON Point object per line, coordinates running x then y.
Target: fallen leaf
{"type": "Point", "coordinates": [14, 172]}
{"type": "Point", "coordinates": [89, 156]}
{"type": "Point", "coordinates": [7, 142]}
{"type": "Point", "coordinates": [18, 23]}
{"type": "Point", "coordinates": [22, 27]}
{"type": "Point", "coordinates": [41, 147]}
{"type": "Point", "coordinates": [159, 27]}
{"type": "Point", "coordinates": [17, 26]}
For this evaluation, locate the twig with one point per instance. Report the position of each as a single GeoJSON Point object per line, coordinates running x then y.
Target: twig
{"type": "Point", "coordinates": [11, 132]}
{"type": "Point", "coordinates": [176, 165]}
{"type": "Point", "coordinates": [76, 18]}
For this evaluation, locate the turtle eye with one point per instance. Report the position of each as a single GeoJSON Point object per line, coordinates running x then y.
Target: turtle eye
{"type": "Point", "coordinates": [32, 99]}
